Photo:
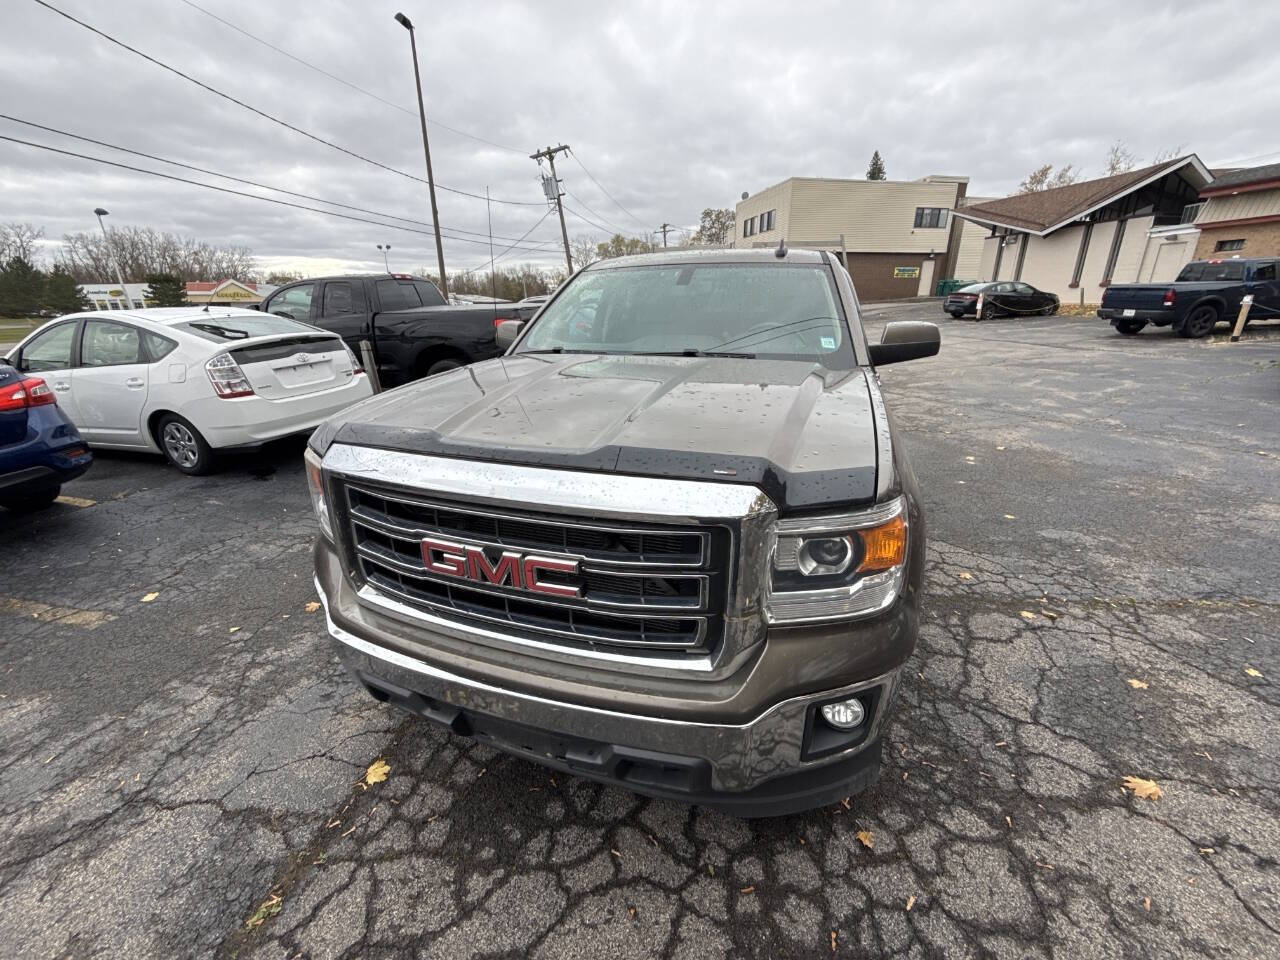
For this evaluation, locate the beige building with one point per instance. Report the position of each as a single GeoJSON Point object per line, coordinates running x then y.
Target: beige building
{"type": "Point", "coordinates": [1135, 227]}
{"type": "Point", "coordinates": [1241, 214]}
{"type": "Point", "coordinates": [900, 235]}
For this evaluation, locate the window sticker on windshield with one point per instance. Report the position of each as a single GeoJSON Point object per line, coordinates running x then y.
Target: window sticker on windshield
{"type": "Point", "coordinates": [828, 343]}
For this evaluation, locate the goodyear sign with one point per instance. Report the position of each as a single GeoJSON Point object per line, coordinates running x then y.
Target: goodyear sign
{"type": "Point", "coordinates": [906, 273]}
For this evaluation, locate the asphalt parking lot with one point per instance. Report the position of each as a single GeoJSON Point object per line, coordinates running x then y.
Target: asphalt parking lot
{"type": "Point", "coordinates": [184, 758]}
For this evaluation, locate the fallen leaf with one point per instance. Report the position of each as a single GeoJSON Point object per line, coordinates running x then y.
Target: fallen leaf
{"type": "Point", "coordinates": [1010, 516]}
{"type": "Point", "coordinates": [833, 941]}
{"type": "Point", "coordinates": [1009, 821]}
{"type": "Point", "coordinates": [747, 890]}
{"type": "Point", "coordinates": [1252, 672]}
{"type": "Point", "coordinates": [866, 839]}
{"type": "Point", "coordinates": [377, 771]}
{"type": "Point", "coordinates": [911, 902]}
{"type": "Point", "coordinates": [1146, 904]}
{"type": "Point", "coordinates": [235, 630]}
{"type": "Point", "coordinates": [149, 597]}
{"type": "Point", "coordinates": [965, 575]}
{"type": "Point", "coordinates": [1001, 743]}
{"type": "Point", "coordinates": [631, 912]}
{"type": "Point", "coordinates": [1048, 614]}
{"type": "Point", "coordinates": [999, 448]}
{"type": "Point", "coordinates": [1137, 684]}
{"type": "Point", "coordinates": [616, 854]}
{"type": "Point", "coordinates": [845, 803]}
{"type": "Point", "coordinates": [1027, 615]}
{"type": "Point", "coordinates": [1146, 789]}
{"type": "Point", "coordinates": [312, 606]}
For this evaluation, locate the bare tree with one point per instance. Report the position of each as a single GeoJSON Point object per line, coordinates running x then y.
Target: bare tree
{"type": "Point", "coordinates": [1120, 159]}
{"type": "Point", "coordinates": [19, 240]}
{"type": "Point", "coordinates": [1168, 153]}
{"type": "Point", "coordinates": [583, 250]}
{"type": "Point", "coordinates": [716, 226]}
{"type": "Point", "coordinates": [1043, 178]}
{"type": "Point", "coordinates": [142, 251]}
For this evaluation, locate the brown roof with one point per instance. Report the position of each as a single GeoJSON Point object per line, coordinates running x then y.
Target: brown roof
{"type": "Point", "coordinates": [1042, 209]}
{"type": "Point", "coordinates": [1243, 177]}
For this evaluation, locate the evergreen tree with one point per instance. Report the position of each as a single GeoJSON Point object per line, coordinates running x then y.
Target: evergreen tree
{"type": "Point", "coordinates": [876, 170]}
{"type": "Point", "coordinates": [165, 290]}
{"type": "Point", "coordinates": [21, 289]}
{"type": "Point", "coordinates": [62, 295]}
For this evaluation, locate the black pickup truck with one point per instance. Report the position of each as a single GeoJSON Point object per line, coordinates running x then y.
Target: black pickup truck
{"type": "Point", "coordinates": [413, 331]}
{"type": "Point", "coordinates": [1206, 292]}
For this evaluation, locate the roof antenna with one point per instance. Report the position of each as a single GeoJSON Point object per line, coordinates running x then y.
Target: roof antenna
{"type": "Point", "coordinates": [782, 248]}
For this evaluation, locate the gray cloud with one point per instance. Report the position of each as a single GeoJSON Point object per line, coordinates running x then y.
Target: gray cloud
{"type": "Point", "coordinates": [672, 106]}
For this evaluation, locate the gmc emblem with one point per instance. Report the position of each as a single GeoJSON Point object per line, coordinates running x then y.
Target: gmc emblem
{"type": "Point", "coordinates": [467, 562]}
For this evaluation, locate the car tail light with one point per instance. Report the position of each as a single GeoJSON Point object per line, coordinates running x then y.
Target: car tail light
{"type": "Point", "coordinates": [498, 321]}
{"type": "Point", "coordinates": [356, 367]}
{"type": "Point", "coordinates": [227, 378]}
{"type": "Point", "coordinates": [1169, 296]}
{"type": "Point", "coordinates": [29, 392]}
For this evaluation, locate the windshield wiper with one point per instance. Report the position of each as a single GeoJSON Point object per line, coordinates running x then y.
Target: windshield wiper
{"type": "Point", "coordinates": [229, 333]}
{"type": "Point", "coordinates": [692, 352]}
{"type": "Point", "coordinates": [563, 350]}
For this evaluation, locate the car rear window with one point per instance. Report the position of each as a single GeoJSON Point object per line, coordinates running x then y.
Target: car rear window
{"type": "Point", "coordinates": [222, 329]}
{"type": "Point", "coordinates": [395, 295]}
{"type": "Point", "coordinates": [1203, 270]}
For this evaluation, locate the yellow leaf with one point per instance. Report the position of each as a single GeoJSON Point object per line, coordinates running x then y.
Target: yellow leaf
{"type": "Point", "coordinates": [377, 771]}
{"type": "Point", "coordinates": [1010, 516]}
{"type": "Point", "coordinates": [833, 941]}
{"type": "Point", "coordinates": [999, 448]}
{"type": "Point", "coordinates": [966, 575]}
{"type": "Point", "coordinates": [751, 889]}
{"type": "Point", "coordinates": [866, 839]}
{"type": "Point", "coordinates": [149, 597]}
{"type": "Point", "coordinates": [1027, 615]}
{"type": "Point", "coordinates": [911, 902]}
{"type": "Point", "coordinates": [234, 630]}
{"type": "Point", "coordinates": [312, 607]}
{"type": "Point", "coordinates": [1252, 671]}
{"type": "Point", "coordinates": [1137, 684]}
{"type": "Point", "coordinates": [1146, 789]}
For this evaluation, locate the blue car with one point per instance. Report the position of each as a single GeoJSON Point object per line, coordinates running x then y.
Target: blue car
{"type": "Point", "coordinates": [40, 449]}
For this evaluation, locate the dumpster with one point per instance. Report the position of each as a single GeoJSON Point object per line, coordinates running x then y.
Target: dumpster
{"type": "Point", "coordinates": [945, 287]}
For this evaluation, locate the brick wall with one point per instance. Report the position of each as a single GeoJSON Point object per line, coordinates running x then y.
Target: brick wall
{"type": "Point", "coordinates": [1260, 240]}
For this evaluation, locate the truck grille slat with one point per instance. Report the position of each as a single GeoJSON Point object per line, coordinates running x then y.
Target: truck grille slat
{"type": "Point", "coordinates": [640, 586]}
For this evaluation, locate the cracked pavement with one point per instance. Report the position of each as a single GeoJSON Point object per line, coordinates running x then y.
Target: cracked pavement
{"type": "Point", "coordinates": [1102, 510]}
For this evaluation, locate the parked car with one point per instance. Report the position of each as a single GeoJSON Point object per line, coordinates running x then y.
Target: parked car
{"type": "Point", "coordinates": [1205, 292]}
{"type": "Point", "coordinates": [412, 331]}
{"type": "Point", "coordinates": [189, 382]}
{"type": "Point", "coordinates": [1011, 298]}
{"type": "Point", "coordinates": [527, 307]}
{"type": "Point", "coordinates": [671, 541]}
{"type": "Point", "coordinates": [40, 449]}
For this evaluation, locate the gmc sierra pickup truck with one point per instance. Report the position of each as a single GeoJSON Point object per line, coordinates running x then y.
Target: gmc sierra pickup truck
{"type": "Point", "coordinates": [413, 332]}
{"type": "Point", "coordinates": [670, 541]}
{"type": "Point", "coordinates": [1206, 292]}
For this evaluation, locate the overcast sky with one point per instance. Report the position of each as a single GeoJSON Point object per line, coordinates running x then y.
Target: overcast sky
{"type": "Point", "coordinates": [673, 107]}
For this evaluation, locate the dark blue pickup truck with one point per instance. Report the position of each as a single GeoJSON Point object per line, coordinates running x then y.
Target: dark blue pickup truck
{"type": "Point", "coordinates": [1206, 292]}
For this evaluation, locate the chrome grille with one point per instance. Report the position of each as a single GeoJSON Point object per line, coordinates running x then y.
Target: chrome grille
{"type": "Point", "coordinates": [641, 586]}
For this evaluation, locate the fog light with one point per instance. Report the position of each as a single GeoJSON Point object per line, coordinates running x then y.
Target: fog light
{"type": "Point", "coordinates": [844, 715]}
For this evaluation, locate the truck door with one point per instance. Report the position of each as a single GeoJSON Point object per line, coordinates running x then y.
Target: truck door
{"type": "Point", "coordinates": [294, 302]}
{"type": "Point", "coordinates": [1265, 288]}
{"type": "Point", "coordinates": [343, 311]}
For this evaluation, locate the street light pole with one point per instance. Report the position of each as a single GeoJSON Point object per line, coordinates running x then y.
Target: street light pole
{"type": "Point", "coordinates": [426, 149]}
{"type": "Point", "coordinates": [100, 213]}
{"type": "Point", "coordinates": [385, 250]}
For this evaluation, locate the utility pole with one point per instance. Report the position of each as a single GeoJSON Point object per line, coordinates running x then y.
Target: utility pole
{"type": "Point", "coordinates": [426, 148]}
{"type": "Point", "coordinates": [551, 187]}
{"type": "Point", "coordinates": [664, 228]}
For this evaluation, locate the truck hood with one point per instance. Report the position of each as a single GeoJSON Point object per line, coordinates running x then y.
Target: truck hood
{"type": "Point", "coordinates": [803, 434]}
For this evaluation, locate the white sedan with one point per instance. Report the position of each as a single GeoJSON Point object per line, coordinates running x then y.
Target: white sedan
{"type": "Point", "coordinates": [187, 382]}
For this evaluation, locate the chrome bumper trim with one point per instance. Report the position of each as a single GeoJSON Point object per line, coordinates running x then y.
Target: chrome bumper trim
{"type": "Point", "coordinates": [741, 756]}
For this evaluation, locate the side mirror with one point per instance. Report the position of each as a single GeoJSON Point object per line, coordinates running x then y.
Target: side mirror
{"type": "Point", "coordinates": [507, 331]}
{"type": "Point", "coordinates": [906, 340]}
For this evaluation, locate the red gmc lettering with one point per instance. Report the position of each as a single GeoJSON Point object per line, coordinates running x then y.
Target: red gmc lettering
{"type": "Point", "coordinates": [467, 562]}
{"type": "Point", "coordinates": [532, 566]}
{"type": "Point", "coordinates": [508, 567]}
{"type": "Point", "coordinates": [452, 561]}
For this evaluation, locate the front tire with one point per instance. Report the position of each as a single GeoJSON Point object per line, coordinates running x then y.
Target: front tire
{"type": "Point", "coordinates": [1049, 311]}
{"type": "Point", "coordinates": [27, 502]}
{"type": "Point", "coordinates": [183, 445]}
{"type": "Point", "coordinates": [1130, 327]}
{"type": "Point", "coordinates": [957, 313]}
{"type": "Point", "coordinates": [1199, 322]}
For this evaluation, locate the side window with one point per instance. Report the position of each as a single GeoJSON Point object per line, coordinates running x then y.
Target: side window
{"type": "Point", "coordinates": [1003, 288]}
{"type": "Point", "coordinates": [1264, 271]}
{"type": "Point", "coordinates": [108, 344]}
{"type": "Point", "coordinates": [342, 297]}
{"type": "Point", "coordinates": [1022, 288]}
{"type": "Point", "coordinates": [157, 347]}
{"type": "Point", "coordinates": [428, 293]}
{"type": "Point", "coordinates": [50, 350]}
{"type": "Point", "coordinates": [293, 302]}
{"type": "Point", "coordinates": [394, 295]}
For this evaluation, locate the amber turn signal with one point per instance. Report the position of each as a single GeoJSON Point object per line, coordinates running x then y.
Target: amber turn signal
{"type": "Point", "coordinates": [883, 547]}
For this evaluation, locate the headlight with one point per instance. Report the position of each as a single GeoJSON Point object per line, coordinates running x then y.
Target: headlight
{"type": "Point", "coordinates": [315, 484]}
{"type": "Point", "coordinates": [840, 566]}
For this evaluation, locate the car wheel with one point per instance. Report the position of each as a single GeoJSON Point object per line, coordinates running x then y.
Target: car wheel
{"type": "Point", "coordinates": [35, 500]}
{"type": "Point", "coordinates": [1049, 311]}
{"type": "Point", "coordinates": [440, 366]}
{"type": "Point", "coordinates": [183, 446]}
{"type": "Point", "coordinates": [1200, 322]}
{"type": "Point", "coordinates": [1130, 327]}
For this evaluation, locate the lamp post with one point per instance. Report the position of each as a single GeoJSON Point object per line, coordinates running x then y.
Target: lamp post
{"type": "Point", "coordinates": [100, 213]}
{"type": "Point", "coordinates": [385, 250]}
{"type": "Point", "coordinates": [426, 149]}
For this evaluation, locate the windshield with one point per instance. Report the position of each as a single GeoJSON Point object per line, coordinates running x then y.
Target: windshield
{"type": "Point", "coordinates": [774, 310]}
{"type": "Point", "coordinates": [221, 329]}
{"type": "Point", "coordinates": [1211, 270]}
{"type": "Point", "coordinates": [974, 288]}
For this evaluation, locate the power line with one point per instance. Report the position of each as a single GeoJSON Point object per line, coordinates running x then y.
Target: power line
{"type": "Point", "coordinates": [227, 176]}
{"type": "Point", "coordinates": [593, 180]}
{"type": "Point", "coordinates": [512, 247]}
{"type": "Point", "coordinates": [268, 116]}
{"type": "Point", "coordinates": [251, 196]}
{"type": "Point", "coordinates": [344, 82]}
{"type": "Point", "coordinates": [595, 213]}
{"type": "Point", "coordinates": [587, 220]}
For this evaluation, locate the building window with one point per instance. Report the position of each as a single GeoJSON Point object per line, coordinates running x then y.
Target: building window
{"type": "Point", "coordinates": [767, 220]}
{"type": "Point", "coordinates": [749, 226]}
{"type": "Point", "coordinates": [1222, 245]}
{"type": "Point", "coordinates": [931, 217]}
